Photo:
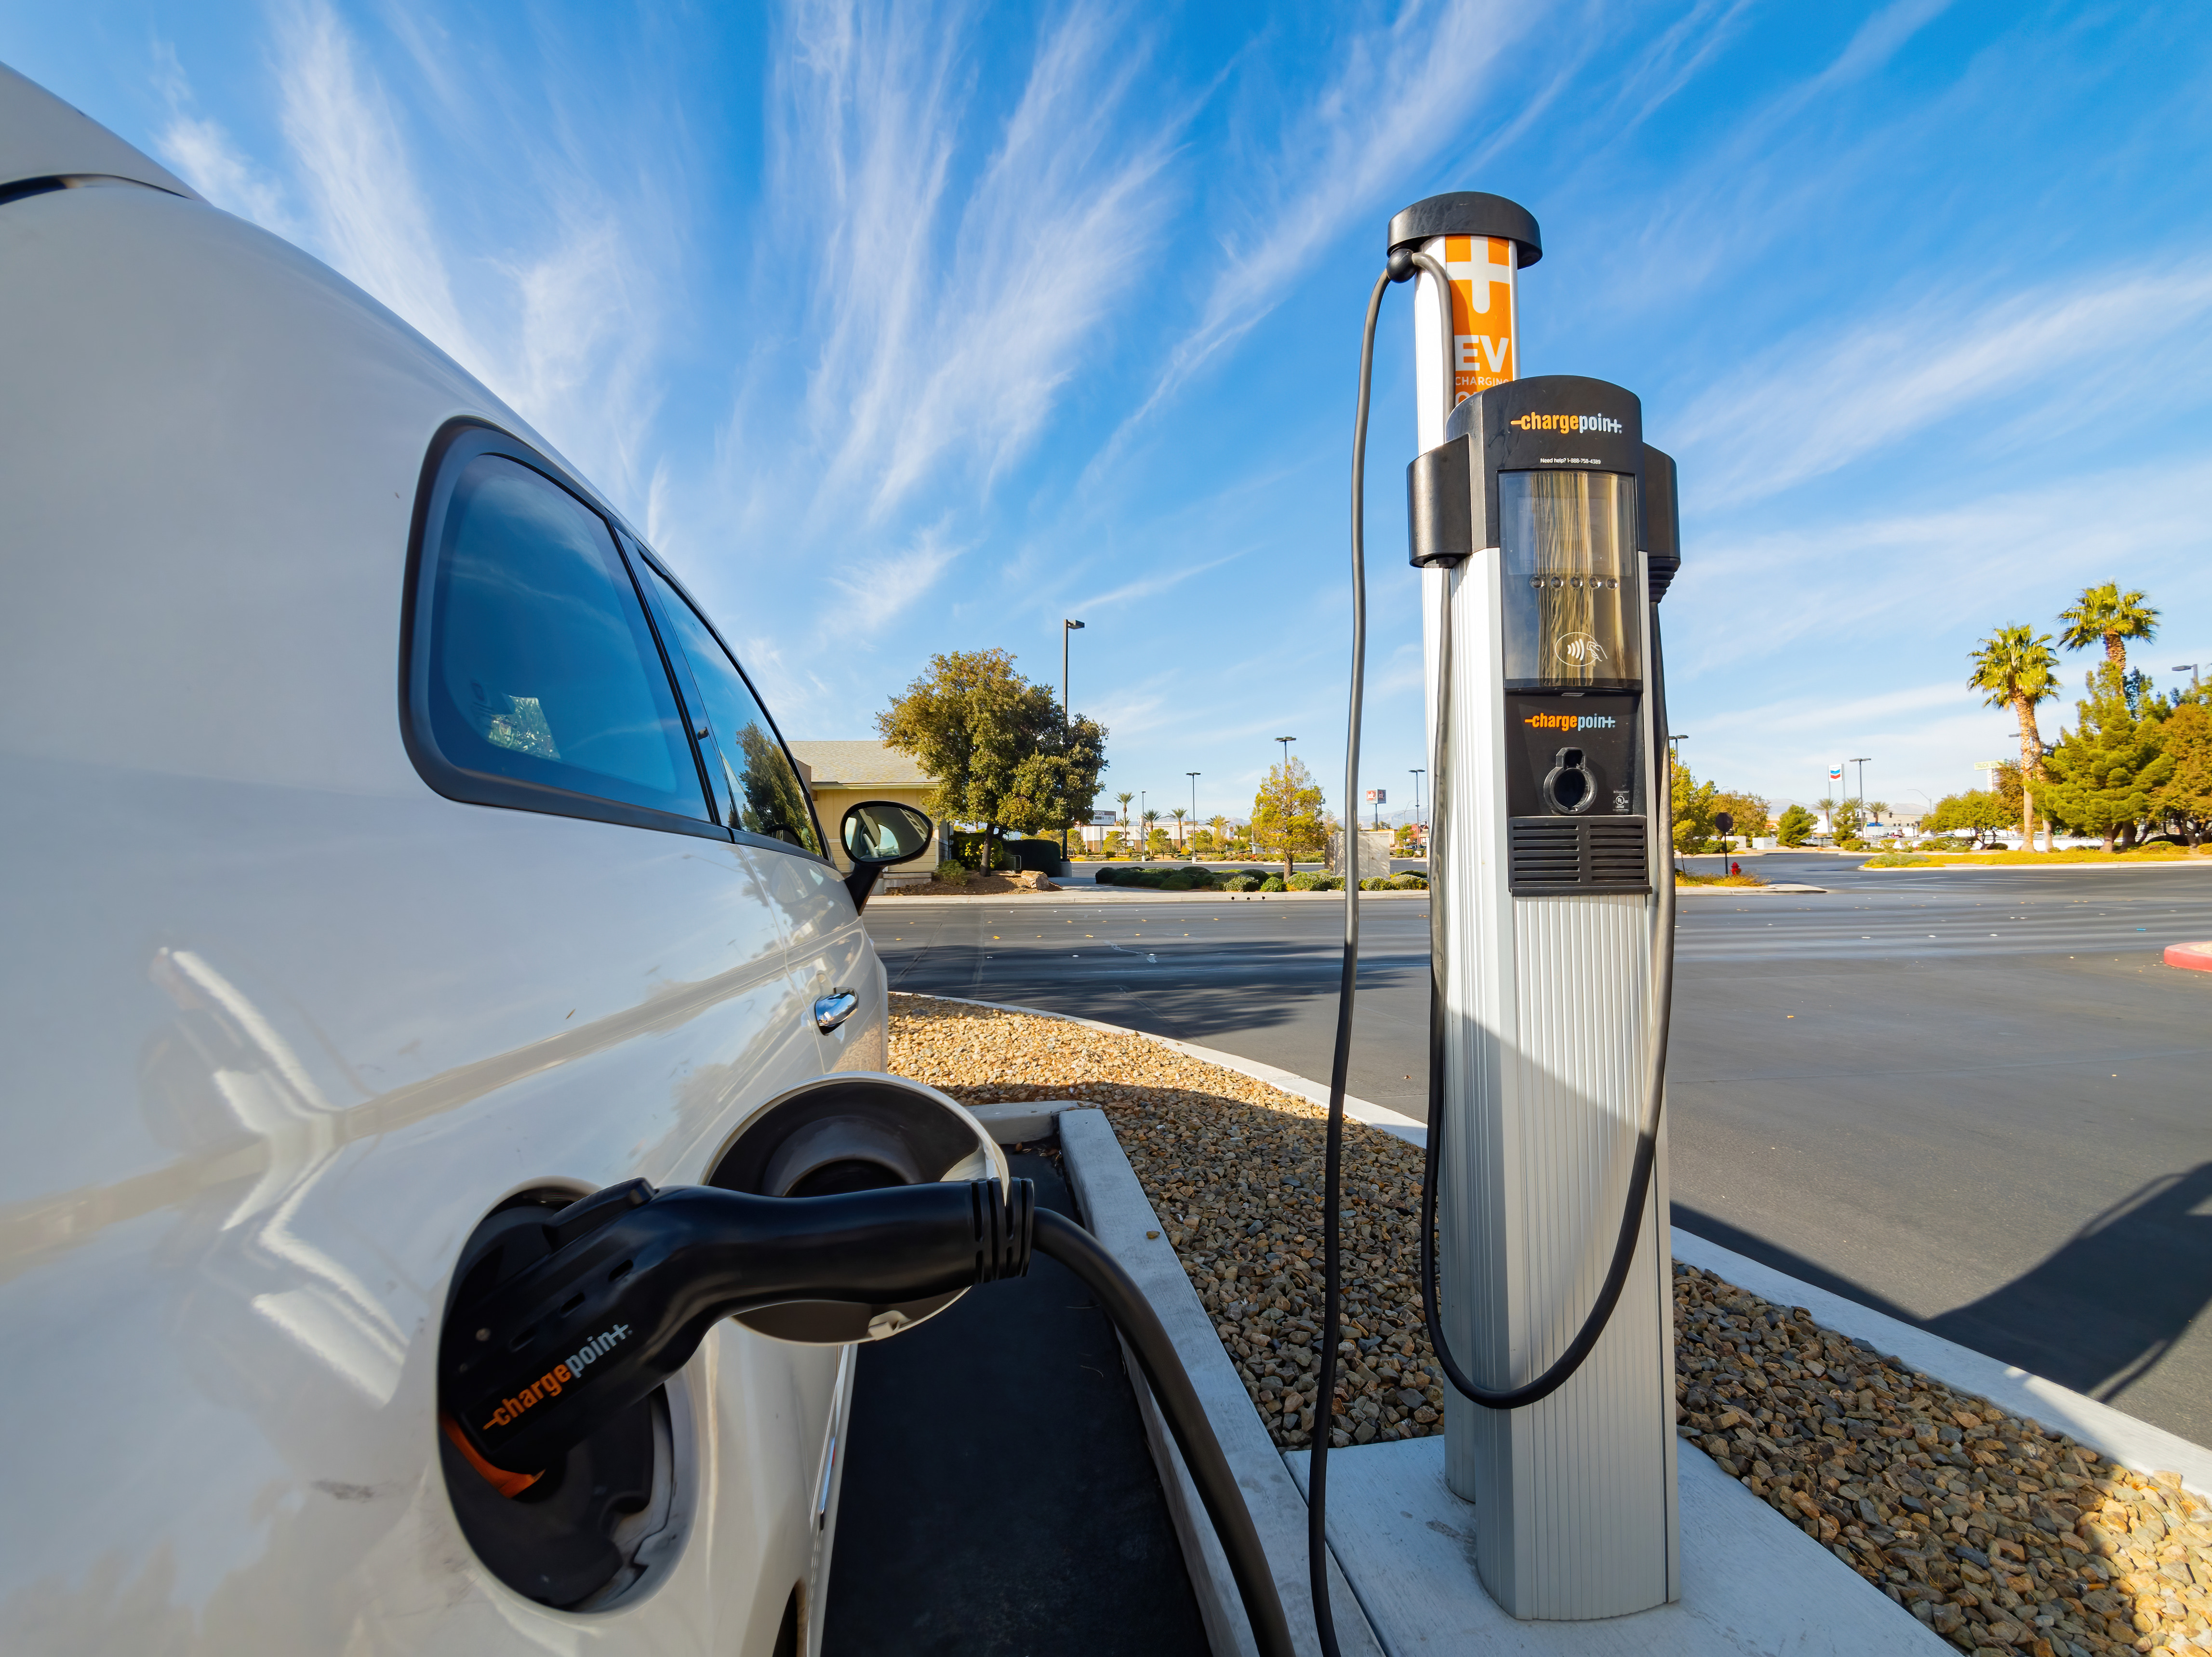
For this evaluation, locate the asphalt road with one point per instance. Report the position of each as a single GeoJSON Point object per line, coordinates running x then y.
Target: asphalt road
{"type": "Point", "coordinates": [1976, 1099]}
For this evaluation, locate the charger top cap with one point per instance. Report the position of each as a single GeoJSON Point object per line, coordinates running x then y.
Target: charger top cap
{"type": "Point", "coordinates": [1468, 213]}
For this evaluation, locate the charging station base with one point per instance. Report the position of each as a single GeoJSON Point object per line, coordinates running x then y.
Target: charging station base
{"type": "Point", "coordinates": [1749, 1583]}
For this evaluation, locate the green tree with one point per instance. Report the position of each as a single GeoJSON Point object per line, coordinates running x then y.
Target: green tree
{"type": "Point", "coordinates": [2014, 668]}
{"type": "Point", "coordinates": [1151, 831]}
{"type": "Point", "coordinates": [2105, 614]}
{"type": "Point", "coordinates": [1289, 820]}
{"type": "Point", "coordinates": [1001, 748]}
{"type": "Point", "coordinates": [2184, 799]}
{"type": "Point", "coordinates": [1796, 825]}
{"type": "Point", "coordinates": [1125, 799]}
{"type": "Point", "coordinates": [1844, 818]}
{"type": "Point", "coordinates": [1179, 813]}
{"type": "Point", "coordinates": [1695, 802]}
{"type": "Point", "coordinates": [2105, 774]}
{"type": "Point", "coordinates": [1980, 811]}
{"type": "Point", "coordinates": [1748, 811]}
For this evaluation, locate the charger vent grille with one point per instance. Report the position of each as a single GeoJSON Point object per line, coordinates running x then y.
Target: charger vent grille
{"type": "Point", "coordinates": [1578, 854]}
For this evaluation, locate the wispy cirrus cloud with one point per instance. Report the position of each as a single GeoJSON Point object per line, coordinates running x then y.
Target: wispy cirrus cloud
{"type": "Point", "coordinates": [1778, 601]}
{"type": "Point", "coordinates": [565, 330]}
{"type": "Point", "coordinates": [1403, 94]}
{"type": "Point", "coordinates": [353, 164]}
{"type": "Point", "coordinates": [206, 157]}
{"type": "Point", "coordinates": [1817, 403]}
{"type": "Point", "coordinates": [952, 292]}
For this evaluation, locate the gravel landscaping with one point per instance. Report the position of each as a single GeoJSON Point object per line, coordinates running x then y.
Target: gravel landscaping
{"type": "Point", "coordinates": [1997, 1532]}
{"type": "Point", "coordinates": [1999, 1535]}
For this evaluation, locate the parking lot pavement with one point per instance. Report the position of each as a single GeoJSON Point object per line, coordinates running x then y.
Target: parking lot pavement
{"type": "Point", "coordinates": [1974, 1099]}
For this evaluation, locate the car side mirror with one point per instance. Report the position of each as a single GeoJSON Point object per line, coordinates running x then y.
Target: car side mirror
{"type": "Point", "coordinates": [878, 834]}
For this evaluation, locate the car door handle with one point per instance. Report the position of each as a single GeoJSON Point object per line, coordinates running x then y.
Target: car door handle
{"type": "Point", "coordinates": [834, 1009]}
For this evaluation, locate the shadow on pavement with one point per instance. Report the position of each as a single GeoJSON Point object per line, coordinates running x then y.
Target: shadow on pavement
{"type": "Point", "coordinates": [1000, 1500]}
{"type": "Point", "coordinates": [2123, 1290]}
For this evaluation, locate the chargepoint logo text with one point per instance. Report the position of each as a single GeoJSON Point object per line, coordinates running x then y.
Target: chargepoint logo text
{"type": "Point", "coordinates": [549, 1385]}
{"type": "Point", "coordinates": [1570, 722]}
{"type": "Point", "coordinates": [1566, 422]}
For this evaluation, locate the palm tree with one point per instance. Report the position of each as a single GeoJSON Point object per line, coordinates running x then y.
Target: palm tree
{"type": "Point", "coordinates": [1179, 813]}
{"type": "Point", "coordinates": [1125, 799]}
{"type": "Point", "coordinates": [2107, 613]}
{"type": "Point", "coordinates": [2014, 668]}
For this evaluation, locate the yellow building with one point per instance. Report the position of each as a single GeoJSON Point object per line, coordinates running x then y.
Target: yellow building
{"type": "Point", "coordinates": [840, 774]}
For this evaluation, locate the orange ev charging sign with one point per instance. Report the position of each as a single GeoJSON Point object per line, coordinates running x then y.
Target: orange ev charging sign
{"type": "Point", "coordinates": [1482, 270]}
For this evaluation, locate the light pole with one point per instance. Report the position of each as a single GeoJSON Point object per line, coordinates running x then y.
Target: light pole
{"type": "Point", "coordinates": [1144, 833]}
{"type": "Point", "coordinates": [1674, 763]}
{"type": "Point", "coordinates": [1860, 760]}
{"type": "Point", "coordinates": [1288, 863]}
{"type": "Point", "coordinates": [2189, 667]}
{"type": "Point", "coordinates": [1066, 716]}
{"type": "Point", "coordinates": [1419, 773]}
{"type": "Point", "coordinates": [1193, 776]}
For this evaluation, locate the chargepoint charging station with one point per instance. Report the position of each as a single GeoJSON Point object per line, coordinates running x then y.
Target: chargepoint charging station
{"type": "Point", "coordinates": [1545, 530]}
{"type": "Point", "coordinates": [1543, 527]}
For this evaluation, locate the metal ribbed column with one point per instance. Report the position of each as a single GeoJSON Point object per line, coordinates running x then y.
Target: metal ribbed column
{"type": "Point", "coordinates": [1544, 1004]}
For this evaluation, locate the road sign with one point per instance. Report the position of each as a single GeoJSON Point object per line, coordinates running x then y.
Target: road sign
{"type": "Point", "coordinates": [1378, 796]}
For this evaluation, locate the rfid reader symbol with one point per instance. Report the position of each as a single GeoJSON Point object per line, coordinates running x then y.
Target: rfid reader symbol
{"type": "Point", "coordinates": [1578, 650]}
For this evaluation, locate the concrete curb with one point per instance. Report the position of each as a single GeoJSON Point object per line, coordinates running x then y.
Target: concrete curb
{"type": "Point", "coordinates": [1114, 1209]}
{"type": "Point", "coordinates": [2110, 1432]}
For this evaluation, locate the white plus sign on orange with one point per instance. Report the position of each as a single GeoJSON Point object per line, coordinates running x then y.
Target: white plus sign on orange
{"type": "Point", "coordinates": [1482, 316]}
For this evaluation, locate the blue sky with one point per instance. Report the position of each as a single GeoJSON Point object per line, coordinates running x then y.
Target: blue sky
{"type": "Point", "coordinates": [903, 329]}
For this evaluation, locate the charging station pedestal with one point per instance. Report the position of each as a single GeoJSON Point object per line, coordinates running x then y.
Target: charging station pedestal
{"type": "Point", "coordinates": [1545, 846]}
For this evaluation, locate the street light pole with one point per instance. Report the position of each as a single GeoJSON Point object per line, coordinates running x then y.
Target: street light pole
{"type": "Point", "coordinates": [1288, 861]}
{"type": "Point", "coordinates": [2189, 667]}
{"type": "Point", "coordinates": [1066, 716]}
{"type": "Point", "coordinates": [1860, 760]}
{"type": "Point", "coordinates": [1193, 776]}
{"type": "Point", "coordinates": [1673, 761]}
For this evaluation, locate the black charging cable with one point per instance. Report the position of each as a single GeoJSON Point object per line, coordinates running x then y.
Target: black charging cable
{"type": "Point", "coordinates": [533, 1363]}
{"type": "Point", "coordinates": [1403, 263]}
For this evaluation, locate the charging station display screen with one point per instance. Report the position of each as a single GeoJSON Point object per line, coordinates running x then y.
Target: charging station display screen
{"type": "Point", "coordinates": [1570, 591]}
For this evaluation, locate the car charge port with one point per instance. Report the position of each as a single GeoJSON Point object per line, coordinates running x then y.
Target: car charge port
{"type": "Point", "coordinates": [601, 1524]}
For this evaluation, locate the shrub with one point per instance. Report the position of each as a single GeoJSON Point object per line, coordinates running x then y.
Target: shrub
{"type": "Point", "coordinates": [1241, 883]}
{"type": "Point", "coordinates": [1409, 881]}
{"type": "Point", "coordinates": [1106, 876]}
{"type": "Point", "coordinates": [1205, 879]}
{"type": "Point", "coordinates": [1308, 880]}
{"type": "Point", "coordinates": [1375, 883]}
{"type": "Point", "coordinates": [1178, 881]}
{"type": "Point", "coordinates": [1273, 883]}
{"type": "Point", "coordinates": [952, 874]}
{"type": "Point", "coordinates": [1895, 860]}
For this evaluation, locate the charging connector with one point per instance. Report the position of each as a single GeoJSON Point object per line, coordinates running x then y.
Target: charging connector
{"type": "Point", "coordinates": [534, 1362]}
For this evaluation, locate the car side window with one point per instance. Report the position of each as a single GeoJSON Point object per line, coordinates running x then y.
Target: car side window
{"type": "Point", "coordinates": [766, 796]}
{"type": "Point", "coordinates": [543, 673]}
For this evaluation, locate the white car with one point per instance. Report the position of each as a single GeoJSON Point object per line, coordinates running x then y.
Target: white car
{"type": "Point", "coordinates": [391, 849]}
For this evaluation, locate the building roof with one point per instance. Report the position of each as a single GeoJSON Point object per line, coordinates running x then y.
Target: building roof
{"type": "Point", "coordinates": [861, 765]}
